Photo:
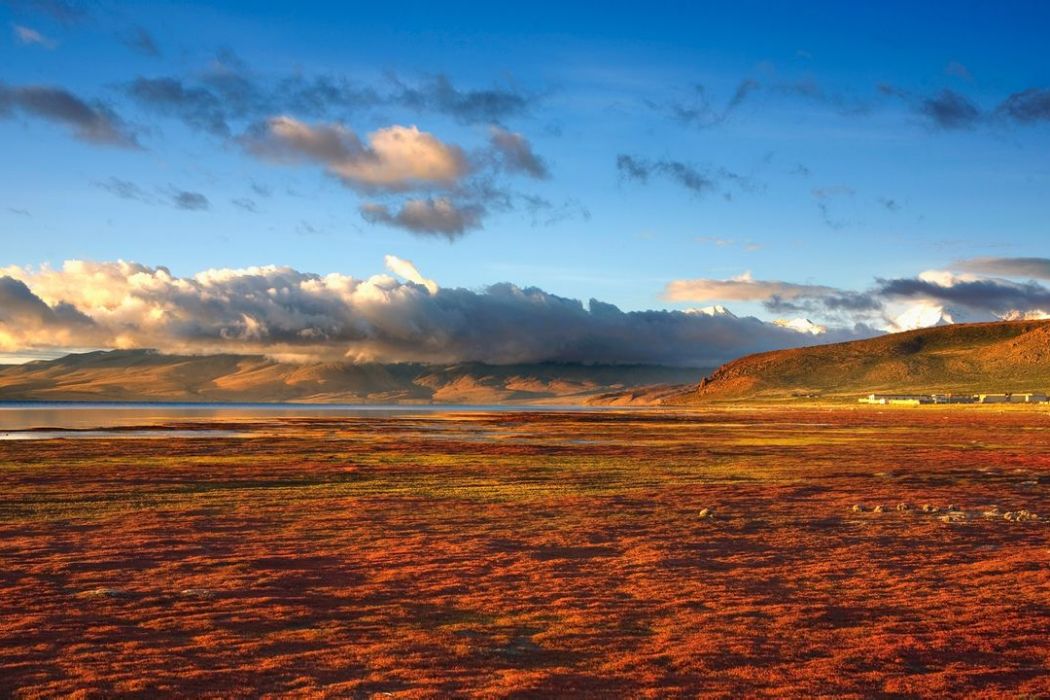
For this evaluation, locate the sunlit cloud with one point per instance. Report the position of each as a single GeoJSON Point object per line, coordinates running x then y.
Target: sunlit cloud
{"type": "Point", "coordinates": [283, 312]}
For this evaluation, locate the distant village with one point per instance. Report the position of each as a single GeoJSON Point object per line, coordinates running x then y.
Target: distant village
{"type": "Point", "coordinates": [917, 399]}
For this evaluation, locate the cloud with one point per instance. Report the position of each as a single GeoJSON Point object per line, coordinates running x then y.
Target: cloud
{"type": "Point", "coordinates": [514, 153]}
{"type": "Point", "coordinates": [31, 37]}
{"type": "Point", "coordinates": [891, 205]}
{"type": "Point", "coordinates": [93, 123]}
{"type": "Point", "coordinates": [141, 41]}
{"type": "Point", "coordinates": [740, 288]}
{"type": "Point", "coordinates": [699, 111]}
{"type": "Point", "coordinates": [841, 305]}
{"type": "Point", "coordinates": [1032, 268]}
{"type": "Point", "coordinates": [23, 315]}
{"type": "Point", "coordinates": [439, 95]}
{"type": "Point", "coordinates": [189, 201]}
{"type": "Point", "coordinates": [197, 107]}
{"type": "Point", "coordinates": [281, 311]}
{"type": "Point", "coordinates": [1028, 106]}
{"type": "Point", "coordinates": [994, 296]}
{"type": "Point", "coordinates": [172, 196]}
{"type": "Point", "coordinates": [125, 190]}
{"type": "Point", "coordinates": [229, 95]}
{"type": "Point", "coordinates": [825, 197]}
{"type": "Point", "coordinates": [947, 110]}
{"type": "Point", "coordinates": [700, 181]}
{"type": "Point", "coordinates": [438, 216]}
{"type": "Point", "coordinates": [395, 159]}
{"type": "Point", "coordinates": [405, 268]}
{"type": "Point", "coordinates": [246, 204]}
{"type": "Point", "coordinates": [950, 110]}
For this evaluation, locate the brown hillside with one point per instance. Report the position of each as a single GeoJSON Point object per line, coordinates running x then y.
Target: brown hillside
{"type": "Point", "coordinates": [975, 357]}
{"type": "Point", "coordinates": [137, 375]}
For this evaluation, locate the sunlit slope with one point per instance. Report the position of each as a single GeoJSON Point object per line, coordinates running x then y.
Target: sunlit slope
{"type": "Point", "coordinates": [978, 357]}
{"type": "Point", "coordinates": [149, 376]}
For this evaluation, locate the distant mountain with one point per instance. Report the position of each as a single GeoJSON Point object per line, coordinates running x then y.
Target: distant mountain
{"type": "Point", "coordinates": [142, 375]}
{"type": "Point", "coordinates": [972, 357]}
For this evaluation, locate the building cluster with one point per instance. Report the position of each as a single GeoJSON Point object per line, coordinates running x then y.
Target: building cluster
{"type": "Point", "coordinates": [917, 399]}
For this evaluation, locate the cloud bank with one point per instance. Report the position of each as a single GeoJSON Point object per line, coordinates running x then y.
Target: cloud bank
{"type": "Point", "coordinates": [290, 314]}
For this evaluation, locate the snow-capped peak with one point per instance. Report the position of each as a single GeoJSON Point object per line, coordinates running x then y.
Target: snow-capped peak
{"type": "Point", "coordinates": [716, 310]}
{"type": "Point", "coordinates": [801, 325]}
{"type": "Point", "coordinates": [921, 315]}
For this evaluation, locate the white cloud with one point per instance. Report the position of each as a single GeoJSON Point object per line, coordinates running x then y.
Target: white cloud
{"type": "Point", "coordinates": [283, 312]}
{"type": "Point", "coordinates": [405, 268]}
{"type": "Point", "coordinates": [740, 288]}
{"type": "Point", "coordinates": [394, 159]}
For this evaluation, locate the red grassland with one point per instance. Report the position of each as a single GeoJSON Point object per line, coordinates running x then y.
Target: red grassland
{"type": "Point", "coordinates": [530, 554]}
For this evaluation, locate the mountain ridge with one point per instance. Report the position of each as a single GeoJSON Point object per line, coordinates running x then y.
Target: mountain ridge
{"type": "Point", "coordinates": [146, 375]}
{"type": "Point", "coordinates": [967, 357]}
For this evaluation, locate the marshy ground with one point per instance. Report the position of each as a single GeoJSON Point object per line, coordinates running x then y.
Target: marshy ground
{"type": "Point", "coordinates": [646, 553]}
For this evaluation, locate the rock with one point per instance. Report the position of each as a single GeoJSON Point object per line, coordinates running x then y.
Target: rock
{"type": "Point", "coordinates": [858, 508]}
{"type": "Point", "coordinates": [879, 509]}
{"type": "Point", "coordinates": [903, 507]}
{"type": "Point", "coordinates": [954, 508]}
{"type": "Point", "coordinates": [927, 508]}
{"type": "Point", "coordinates": [705, 514]}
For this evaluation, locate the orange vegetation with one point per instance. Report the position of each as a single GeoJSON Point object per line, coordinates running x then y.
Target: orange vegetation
{"type": "Point", "coordinates": [532, 554]}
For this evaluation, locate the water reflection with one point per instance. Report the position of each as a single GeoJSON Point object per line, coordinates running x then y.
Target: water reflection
{"type": "Point", "coordinates": [82, 416]}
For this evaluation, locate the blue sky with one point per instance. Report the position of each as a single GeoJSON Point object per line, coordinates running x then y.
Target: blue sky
{"type": "Point", "coordinates": [820, 144]}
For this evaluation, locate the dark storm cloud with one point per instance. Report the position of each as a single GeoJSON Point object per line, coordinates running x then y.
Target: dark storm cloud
{"type": "Point", "coordinates": [279, 310]}
{"type": "Point", "coordinates": [1032, 268]}
{"type": "Point", "coordinates": [93, 122]}
{"type": "Point", "coordinates": [20, 306]}
{"type": "Point", "coordinates": [991, 295]}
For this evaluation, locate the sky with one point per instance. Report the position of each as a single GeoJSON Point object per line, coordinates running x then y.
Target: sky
{"type": "Point", "coordinates": [450, 182]}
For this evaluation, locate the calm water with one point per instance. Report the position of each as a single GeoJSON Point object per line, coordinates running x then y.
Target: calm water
{"type": "Point", "coordinates": [19, 416]}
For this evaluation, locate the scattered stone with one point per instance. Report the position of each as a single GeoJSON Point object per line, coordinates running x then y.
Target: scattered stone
{"type": "Point", "coordinates": [954, 516]}
{"type": "Point", "coordinates": [954, 508]}
{"type": "Point", "coordinates": [858, 508]}
{"type": "Point", "coordinates": [992, 512]}
{"type": "Point", "coordinates": [903, 507]}
{"type": "Point", "coordinates": [706, 514]}
{"type": "Point", "coordinates": [879, 509]}
{"type": "Point", "coordinates": [103, 593]}
{"type": "Point", "coordinates": [197, 593]}
{"type": "Point", "coordinates": [927, 508]}
{"type": "Point", "coordinates": [1009, 515]}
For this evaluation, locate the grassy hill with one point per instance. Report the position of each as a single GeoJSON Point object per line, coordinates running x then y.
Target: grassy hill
{"type": "Point", "coordinates": [142, 375]}
{"type": "Point", "coordinates": [977, 357]}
